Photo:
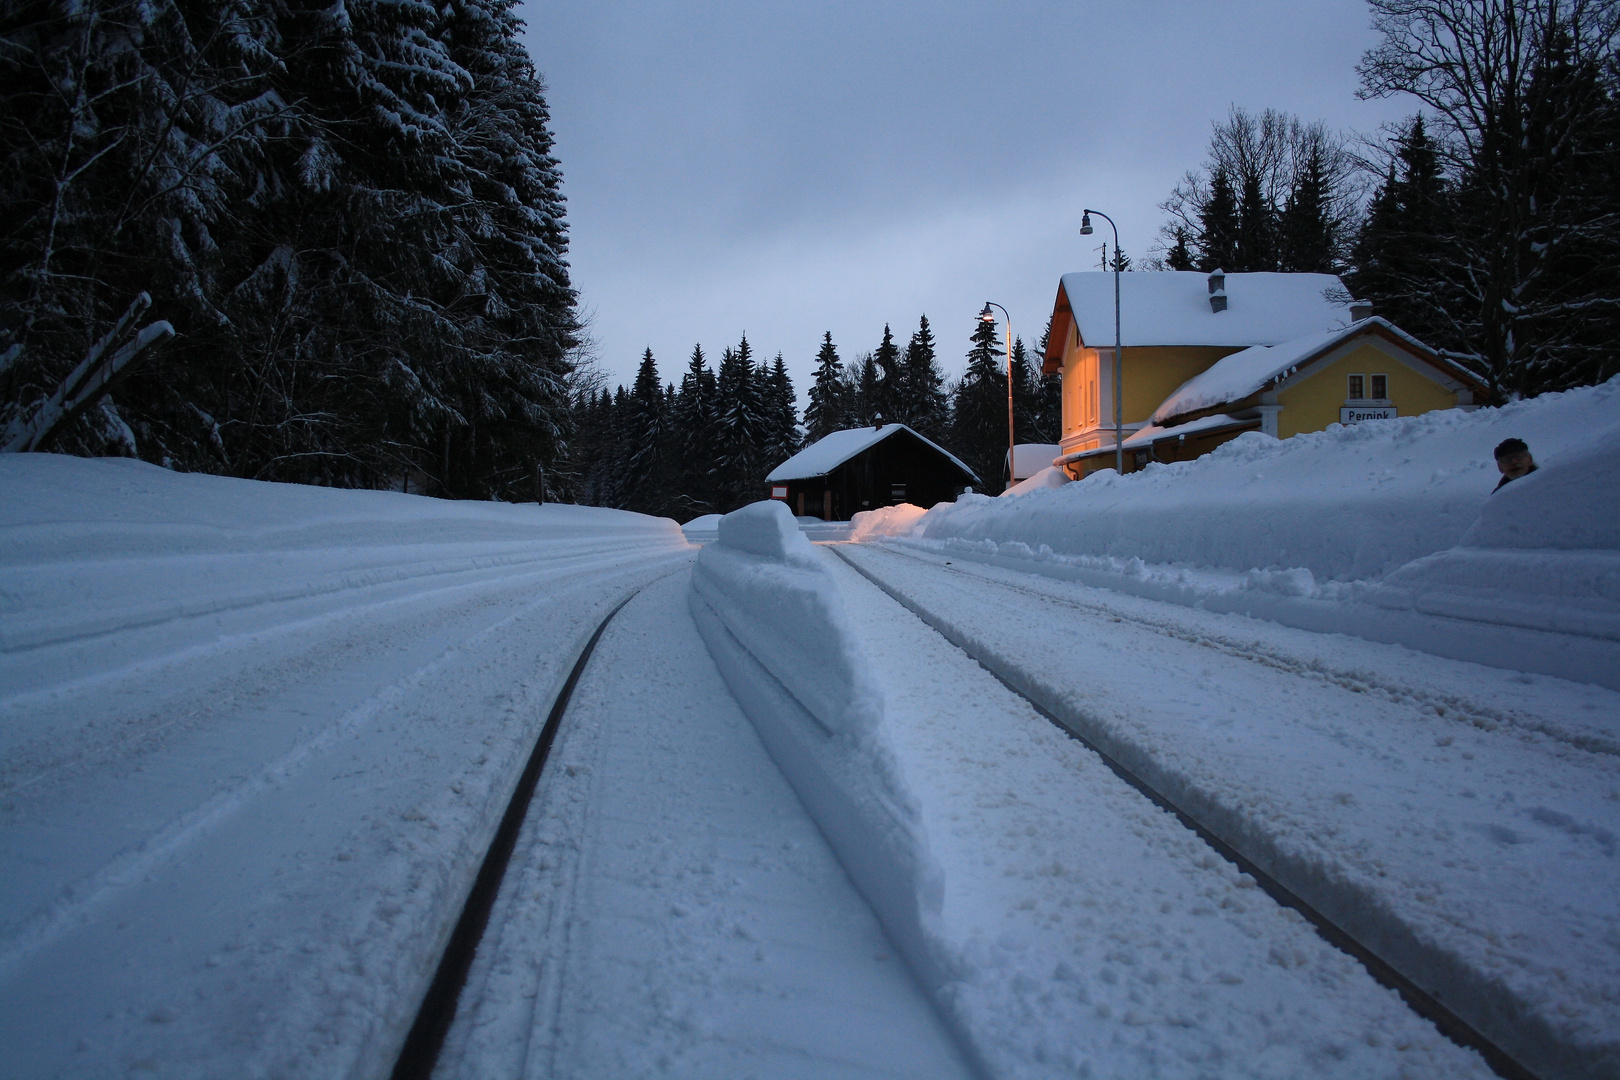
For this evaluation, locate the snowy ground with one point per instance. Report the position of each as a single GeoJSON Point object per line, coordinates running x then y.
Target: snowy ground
{"type": "Point", "coordinates": [1460, 820]}
{"type": "Point", "coordinates": [672, 910]}
{"type": "Point", "coordinates": [255, 739]}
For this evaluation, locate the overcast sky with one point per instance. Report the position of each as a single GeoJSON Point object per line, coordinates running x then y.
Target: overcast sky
{"type": "Point", "coordinates": [789, 169]}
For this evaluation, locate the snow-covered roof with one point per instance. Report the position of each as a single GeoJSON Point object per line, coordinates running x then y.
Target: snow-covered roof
{"type": "Point", "coordinates": [1235, 377]}
{"type": "Point", "coordinates": [1030, 458]}
{"type": "Point", "coordinates": [1153, 433]}
{"type": "Point", "coordinates": [1171, 307]}
{"type": "Point", "coordinates": [827, 453]}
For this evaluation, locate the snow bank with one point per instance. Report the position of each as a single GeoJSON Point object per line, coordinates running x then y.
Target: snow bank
{"type": "Point", "coordinates": [1352, 502]}
{"type": "Point", "coordinates": [775, 624]}
{"type": "Point", "coordinates": [1009, 868]}
{"type": "Point", "coordinates": [1387, 530]}
{"type": "Point", "coordinates": [885, 521]}
{"type": "Point", "coordinates": [1041, 480]}
{"type": "Point", "coordinates": [1544, 554]}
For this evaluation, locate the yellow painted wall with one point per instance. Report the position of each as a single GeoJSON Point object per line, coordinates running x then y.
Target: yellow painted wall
{"type": "Point", "coordinates": [1313, 404]}
{"type": "Point", "coordinates": [1151, 374]}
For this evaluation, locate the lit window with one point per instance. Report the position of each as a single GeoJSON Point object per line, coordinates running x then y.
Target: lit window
{"type": "Point", "coordinates": [1380, 387]}
{"type": "Point", "coordinates": [1358, 388]}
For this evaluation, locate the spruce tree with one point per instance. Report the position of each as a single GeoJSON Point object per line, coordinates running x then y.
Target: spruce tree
{"type": "Point", "coordinates": [1305, 234]}
{"type": "Point", "coordinates": [927, 411]}
{"type": "Point", "coordinates": [887, 392]}
{"type": "Point", "coordinates": [740, 429]}
{"type": "Point", "coordinates": [782, 412]}
{"type": "Point", "coordinates": [979, 409]}
{"type": "Point", "coordinates": [1256, 238]}
{"type": "Point", "coordinates": [694, 421]}
{"type": "Point", "coordinates": [1178, 256]}
{"type": "Point", "coordinates": [829, 408]}
{"type": "Point", "coordinates": [1218, 226]}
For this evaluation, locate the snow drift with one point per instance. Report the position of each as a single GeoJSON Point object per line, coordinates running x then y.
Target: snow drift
{"type": "Point", "coordinates": [775, 624]}
{"type": "Point", "coordinates": [1388, 530]}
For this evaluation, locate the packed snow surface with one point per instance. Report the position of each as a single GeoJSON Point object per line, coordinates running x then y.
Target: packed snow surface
{"type": "Point", "coordinates": [254, 741]}
{"type": "Point", "coordinates": [671, 910]}
{"type": "Point", "coordinates": [1172, 308]}
{"type": "Point", "coordinates": [1460, 821]}
{"type": "Point", "coordinates": [1065, 925]}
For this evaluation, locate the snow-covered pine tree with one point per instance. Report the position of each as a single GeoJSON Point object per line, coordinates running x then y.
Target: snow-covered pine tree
{"type": "Point", "coordinates": [979, 409]}
{"type": "Point", "coordinates": [782, 434]}
{"type": "Point", "coordinates": [829, 408]}
{"type": "Point", "coordinates": [1218, 226]}
{"type": "Point", "coordinates": [927, 410]}
{"type": "Point", "coordinates": [1305, 240]}
{"type": "Point", "coordinates": [693, 423]}
{"type": "Point", "coordinates": [1523, 95]}
{"type": "Point", "coordinates": [886, 395]}
{"type": "Point", "coordinates": [646, 477]}
{"type": "Point", "coordinates": [127, 132]}
{"type": "Point", "coordinates": [740, 429]}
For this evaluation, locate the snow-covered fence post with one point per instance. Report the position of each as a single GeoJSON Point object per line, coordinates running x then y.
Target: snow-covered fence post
{"type": "Point", "coordinates": [86, 383]}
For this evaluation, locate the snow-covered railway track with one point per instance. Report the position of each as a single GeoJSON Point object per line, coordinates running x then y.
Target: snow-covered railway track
{"type": "Point", "coordinates": [1455, 702]}
{"type": "Point", "coordinates": [1392, 823]}
{"type": "Point", "coordinates": [1423, 1003]}
{"type": "Point", "coordinates": [438, 1009]}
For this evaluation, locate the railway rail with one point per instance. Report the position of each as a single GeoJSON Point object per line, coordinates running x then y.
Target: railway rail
{"type": "Point", "coordinates": [1416, 997]}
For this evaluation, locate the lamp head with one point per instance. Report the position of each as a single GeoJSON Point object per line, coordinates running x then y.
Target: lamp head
{"type": "Point", "coordinates": [1085, 223]}
{"type": "Point", "coordinates": [987, 315]}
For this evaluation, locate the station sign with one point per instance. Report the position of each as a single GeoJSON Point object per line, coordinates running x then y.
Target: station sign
{"type": "Point", "coordinates": [1355, 414]}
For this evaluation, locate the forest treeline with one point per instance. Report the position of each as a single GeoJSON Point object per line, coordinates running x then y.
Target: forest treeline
{"type": "Point", "coordinates": [706, 445]}
{"type": "Point", "coordinates": [351, 220]}
{"type": "Point", "coordinates": [349, 214]}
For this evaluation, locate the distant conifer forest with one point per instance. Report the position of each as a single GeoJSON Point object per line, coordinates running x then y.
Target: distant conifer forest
{"type": "Point", "coordinates": [706, 445]}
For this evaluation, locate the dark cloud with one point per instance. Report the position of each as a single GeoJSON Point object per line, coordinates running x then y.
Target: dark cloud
{"type": "Point", "coordinates": [786, 170]}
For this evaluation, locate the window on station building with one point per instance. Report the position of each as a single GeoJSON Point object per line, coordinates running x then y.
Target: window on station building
{"type": "Point", "coordinates": [1358, 388]}
{"type": "Point", "coordinates": [1380, 387]}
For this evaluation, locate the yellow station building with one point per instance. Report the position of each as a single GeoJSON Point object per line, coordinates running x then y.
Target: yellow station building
{"type": "Point", "coordinates": [1206, 357]}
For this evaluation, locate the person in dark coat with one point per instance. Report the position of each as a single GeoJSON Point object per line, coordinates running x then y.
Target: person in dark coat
{"type": "Point", "coordinates": [1513, 460]}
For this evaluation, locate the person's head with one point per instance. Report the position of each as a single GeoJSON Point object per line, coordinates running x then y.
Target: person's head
{"type": "Point", "coordinates": [1513, 458]}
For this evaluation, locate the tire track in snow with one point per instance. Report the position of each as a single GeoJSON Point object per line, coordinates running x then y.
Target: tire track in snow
{"type": "Point", "coordinates": [1421, 1002]}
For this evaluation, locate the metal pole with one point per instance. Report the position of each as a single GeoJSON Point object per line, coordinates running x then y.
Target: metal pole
{"type": "Point", "coordinates": [1119, 393]}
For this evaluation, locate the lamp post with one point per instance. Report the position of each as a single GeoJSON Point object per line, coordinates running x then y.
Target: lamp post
{"type": "Point", "coordinates": [1119, 399]}
{"type": "Point", "coordinates": [986, 316]}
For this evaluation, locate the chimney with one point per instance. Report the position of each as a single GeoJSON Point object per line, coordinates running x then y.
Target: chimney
{"type": "Point", "coordinates": [1217, 290]}
{"type": "Point", "coordinates": [1360, 309]}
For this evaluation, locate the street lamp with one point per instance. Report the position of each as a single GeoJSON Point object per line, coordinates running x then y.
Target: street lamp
{"type": "Point", "coordinates": [986, 316]}
{"type": "Point", "coordinates": [1119, 400]}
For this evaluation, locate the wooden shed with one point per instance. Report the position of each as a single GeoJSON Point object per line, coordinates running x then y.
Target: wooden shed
{"type": "Point", "coordinates": [859, 469]}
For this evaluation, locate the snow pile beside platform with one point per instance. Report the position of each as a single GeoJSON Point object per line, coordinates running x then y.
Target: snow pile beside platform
{"type": "Point", "coordinates": [775, 624]}
{"type": "Point", "coordinates": [1369, 530]}
{"type": "Point", "coordinates": [885, 521]}
{"type": "Point", "coordinates": [1544, 554]}
{"type": "Point", "coordinates": [1348, 503]}
{"type": "Point", "coordinates": [1049, 477]}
